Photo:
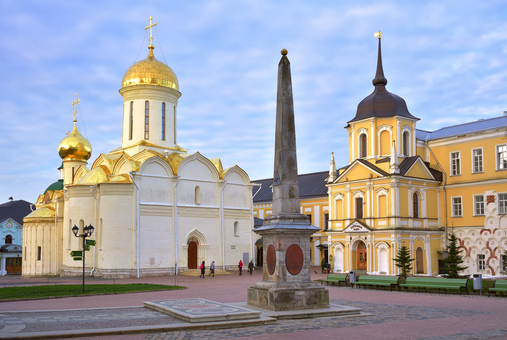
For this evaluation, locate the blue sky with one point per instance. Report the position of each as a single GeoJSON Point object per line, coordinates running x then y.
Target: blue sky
{"type": "Point", "coordinates": [447, 59]}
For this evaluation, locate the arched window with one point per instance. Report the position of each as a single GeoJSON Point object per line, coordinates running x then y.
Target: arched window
{"type": "Point", "coordinates": [405, 143]}
{"type": "Point", "coordinates": [163, 121]}
{"type": "Point", "coordinates": [147, 120]}
{"type": "Point", "coordinates": [415, 202]}
{"type": "Point", "coordinates": [131, 120]}
{"type": "Point", "coordinates": [236, 229]}
{"type": "Point", "coordinates": [359, 207]}
{"type": "Point", "coordinates": [363, 146]}
{"type": "Point", "coordinates": [197, 195]}
{"type": "Point", "coordinates": [8, 239]}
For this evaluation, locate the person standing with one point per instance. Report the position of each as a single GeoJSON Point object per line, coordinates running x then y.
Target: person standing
{"type": "Point", "coordinates": [251, 267]}
{"type": "Point", "coordinates": [212, 269]}
{"type": "Point", "coordinates": [202, 269]}
{"type": "Point", "coordinates": [240, 265]}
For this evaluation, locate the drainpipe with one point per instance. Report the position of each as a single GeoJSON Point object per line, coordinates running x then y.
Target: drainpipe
{"type": "Point", "coordinates": [176, 226]}
{"type": "Point", "coordinates": [96, 226]}
{"type": "Point", "coordinates": [222, 223]}
{"type": "Point", "coordinates": [253, 222]}
{"type": "Point", "coordinates": [445, 192]}
{"type": "Point", "coordinates": [137, 222]}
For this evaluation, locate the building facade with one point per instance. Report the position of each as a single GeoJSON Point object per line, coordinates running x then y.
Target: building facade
{"type": "Point", "coordinates": [11, 235]}
{"type": "Point", "coordinates": [405, 186]}
{"type": "Point", "coordinates": [155, 209]}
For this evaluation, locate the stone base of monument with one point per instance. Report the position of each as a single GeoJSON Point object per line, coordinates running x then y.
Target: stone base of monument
{"type": "Point", "coordinates": [294, 314]}
{"type": "Point", "coordinates": [288, 296]}
{"type": "Point", "coordinates": [202, 310]}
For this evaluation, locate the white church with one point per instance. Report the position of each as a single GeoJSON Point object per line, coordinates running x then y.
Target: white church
{"type": "Point", "coordinates": [155, 209]}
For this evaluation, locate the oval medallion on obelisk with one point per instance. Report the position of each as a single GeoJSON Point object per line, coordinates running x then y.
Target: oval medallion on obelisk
{"type": "Point", "coordinates": [294, 259]}
{"type": "Point", "coordinates": [271, 259]}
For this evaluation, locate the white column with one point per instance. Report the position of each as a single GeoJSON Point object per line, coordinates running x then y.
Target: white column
{"type": "Point", "coordinates": [414, 142]}
{"type": "Point", "coordinates": [353, 136]}
{"type": "Point", "coordinates": [316, 216]}
{"type": "Point", "coordinates": [398, 142]}
{"type": "Point", "coordinates": [372, 152]}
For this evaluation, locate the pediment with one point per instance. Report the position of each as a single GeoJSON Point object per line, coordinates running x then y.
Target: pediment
{"type": "Point", "coordinates": [419, 170]}
{"type": "Point", "coordinates": [356, 227]}
{"type": "Point", "coordinates": [358, 170]}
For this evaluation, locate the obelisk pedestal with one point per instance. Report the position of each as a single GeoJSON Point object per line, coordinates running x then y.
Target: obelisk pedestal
{"type": "Point", "coordinates": [286, 283]}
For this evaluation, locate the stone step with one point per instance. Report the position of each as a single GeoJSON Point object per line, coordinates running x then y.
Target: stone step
{"type": "Point", "coordinates": [197, 272]}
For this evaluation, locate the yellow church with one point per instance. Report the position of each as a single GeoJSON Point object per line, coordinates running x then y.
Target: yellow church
{"type": "Point", "coordinates": [405, 186]}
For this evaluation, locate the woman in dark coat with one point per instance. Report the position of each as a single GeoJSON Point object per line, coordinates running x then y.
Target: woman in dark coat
{"type": "Point", "coordinates": [202, 269]}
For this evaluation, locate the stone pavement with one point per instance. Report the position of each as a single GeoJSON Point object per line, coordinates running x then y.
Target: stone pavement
{"type": "Point", "coordinates": [395, 315]}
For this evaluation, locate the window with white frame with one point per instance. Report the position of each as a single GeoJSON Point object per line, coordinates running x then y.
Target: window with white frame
{"type": "Point", "coordinates": [477, 159]}
{"type": "Point", "coordinates": [481, 262]}
{"type": "Point", "coordinates": [501, 157]}
{"type": "Point", "coordinates": [502, 203]}
{"type": "Point", "coordinates": [455, 164]}
{"type": "Point", "coordinates": [456, 207]}
{"type": "Point", "coordinates": [504, 262]}
{"type": "Point", "coordinates": [478, 205]}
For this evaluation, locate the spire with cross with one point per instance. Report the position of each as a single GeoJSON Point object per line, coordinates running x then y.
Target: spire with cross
{"type": "Point", "coordinates": [74, 104]}
{"type": "Point", "coordinates": [151, 33]}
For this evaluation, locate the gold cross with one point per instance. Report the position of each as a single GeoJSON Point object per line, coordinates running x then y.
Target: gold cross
{"type": "Point", "coordinates": [151, 34]}
{"type": "Point", "coordinates": [74, 104]}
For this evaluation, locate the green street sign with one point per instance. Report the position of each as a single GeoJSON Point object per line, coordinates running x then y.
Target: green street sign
{"type": "Point", "coordinates": [76, 253]}
{"type": "Point", "coordinates": [87, 247]}
{"type": "Point", "coordinates": [78, 259]}
{"type": "Point", "coordinates": [91, 242]}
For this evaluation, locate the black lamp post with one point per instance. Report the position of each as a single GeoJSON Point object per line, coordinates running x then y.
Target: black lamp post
{"type": "Point", "coordinates": [87, 232]}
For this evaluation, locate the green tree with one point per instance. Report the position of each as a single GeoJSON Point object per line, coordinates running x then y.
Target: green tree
{"type": "Point", "coordinates": [454, 260]}
{"type": "Point", "coordinates": [403, 261]}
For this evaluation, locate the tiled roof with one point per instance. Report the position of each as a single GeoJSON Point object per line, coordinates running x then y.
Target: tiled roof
{"type": "Point", "coordinates": [463, 129]}
{"type": "Point", "coordinates": [310, 185]}
{"type": "Point", "coordinates": [373, 167]}
{"type": "Point", "coordinates": [258, 222]}
{"type": "Point", "coordinates": [406, 164]}
{"type": "Point", "coordinates": [16, 210]}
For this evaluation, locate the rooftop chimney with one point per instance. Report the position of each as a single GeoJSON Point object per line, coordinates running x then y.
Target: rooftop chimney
{"type": "Point", "coordinates": [505, 113]}
{"type": "Point", "coordinates": [10, 199]}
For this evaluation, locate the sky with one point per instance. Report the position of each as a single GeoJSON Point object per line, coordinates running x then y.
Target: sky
{"type": "Point", "coordinates": [447, 59]}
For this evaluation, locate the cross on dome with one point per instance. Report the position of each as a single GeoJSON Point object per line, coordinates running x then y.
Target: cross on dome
{"type": "Point", "coordinates": [74, 104]}
{"type": "Point", "coordinates": [151, 34]}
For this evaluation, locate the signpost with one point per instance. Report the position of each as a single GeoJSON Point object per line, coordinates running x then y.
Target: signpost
{"type": "Point", "coordinates": [87, 232]}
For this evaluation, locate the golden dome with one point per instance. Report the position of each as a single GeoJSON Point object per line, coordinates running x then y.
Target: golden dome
{"type": "Point", "coordinates": [75, 147]}
{"type": "Point", "coordinates": [150, 71]}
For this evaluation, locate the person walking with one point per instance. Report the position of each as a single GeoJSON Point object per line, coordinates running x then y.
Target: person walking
{"type": "Point", "coordinates": [251, 267]}
{"type": "Point", "coordinates": [203, 269]}
{"type": "Point", "coordinates": [240, 265]}
{"type": "Point", "coordinates": [212, 269]}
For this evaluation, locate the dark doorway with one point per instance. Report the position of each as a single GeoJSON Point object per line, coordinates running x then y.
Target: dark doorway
{"type": "Point", "coordinates": [192, 255]}
{"type": "Point", "coordinates": [361, 256]}
{"type": "Point", "coordinates": [419, 260]}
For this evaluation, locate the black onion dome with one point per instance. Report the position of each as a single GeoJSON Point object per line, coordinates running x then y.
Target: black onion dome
{"type": "Point", "coordinates": [381, 103]}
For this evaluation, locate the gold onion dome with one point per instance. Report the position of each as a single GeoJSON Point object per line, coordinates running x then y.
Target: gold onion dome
{"type": "Point", "coordinates": [150, 71]}
{"type": "Point", "coordinates": [75, 147]}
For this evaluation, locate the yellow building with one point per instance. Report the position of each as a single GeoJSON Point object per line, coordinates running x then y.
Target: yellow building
{"type": "Point", "coordinates": [405, 186]}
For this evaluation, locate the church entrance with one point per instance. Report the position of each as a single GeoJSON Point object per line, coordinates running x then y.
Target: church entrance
{"type": "Point", "coordinates": [192, 253]}
{"type": "Point", "coordinates": [361, 256]}
{"type": "Point", "coordinates": [419, 261]}
{"type": "Point", "coordinates": [13, 265]}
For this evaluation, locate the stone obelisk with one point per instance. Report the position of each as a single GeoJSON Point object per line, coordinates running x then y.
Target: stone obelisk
{"type": "Point", "coordinates": [286, 282]}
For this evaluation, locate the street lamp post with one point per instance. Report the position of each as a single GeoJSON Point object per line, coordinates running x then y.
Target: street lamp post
{"type": "Point", "coordinates": [87, 232]}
